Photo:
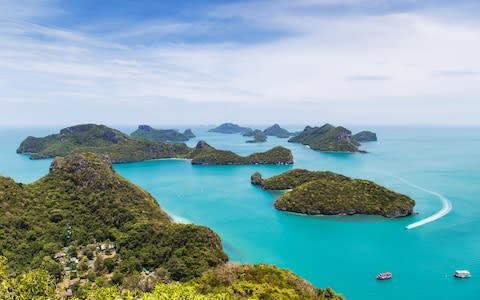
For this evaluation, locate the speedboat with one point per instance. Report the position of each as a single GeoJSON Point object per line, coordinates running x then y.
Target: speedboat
{"type": "Point", "coordinates": [462, 274]}
{"type": "Point", "coordinates": [384, 276]}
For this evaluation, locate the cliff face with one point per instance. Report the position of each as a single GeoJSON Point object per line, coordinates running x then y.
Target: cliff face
{"type": "Point", "coordinates": [328, 193]}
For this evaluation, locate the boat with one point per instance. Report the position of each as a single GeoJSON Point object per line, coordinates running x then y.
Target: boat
{"type": "Point", "coordinates": [462, 274]}
{"type": "Point", "coordinates": [384, 276]}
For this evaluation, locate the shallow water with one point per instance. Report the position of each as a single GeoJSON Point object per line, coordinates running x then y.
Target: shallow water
{"type": "Point", "coordinates": [342, 252]}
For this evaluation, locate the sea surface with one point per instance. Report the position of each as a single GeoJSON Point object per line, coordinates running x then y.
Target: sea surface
{"type": "Point", "coordinates": [342, 252]}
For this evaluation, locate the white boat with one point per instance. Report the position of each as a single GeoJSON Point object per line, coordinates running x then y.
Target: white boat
{"type": "Point", "coordinates": [462, 274]}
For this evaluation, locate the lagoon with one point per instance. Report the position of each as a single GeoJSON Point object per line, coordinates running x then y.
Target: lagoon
{"type": "Point", "coordinates": [344, 252]}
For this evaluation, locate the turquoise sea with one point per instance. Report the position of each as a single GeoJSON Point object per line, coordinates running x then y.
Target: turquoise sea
{"type": "Point", "coordinates": [346, 252]}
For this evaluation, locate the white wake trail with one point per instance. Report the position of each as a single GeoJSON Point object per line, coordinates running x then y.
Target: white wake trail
{"type": "Point", "coordinates": [446, 204]}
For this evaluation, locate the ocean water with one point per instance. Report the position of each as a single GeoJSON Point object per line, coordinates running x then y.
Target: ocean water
{"type": "Point", "coordinates": [346, 252]}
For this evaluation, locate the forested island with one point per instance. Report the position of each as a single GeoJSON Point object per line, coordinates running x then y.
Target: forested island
{"type": "Point", "coordinates": [328, 193]}
{"type": "Point", "coordinates": [365, 136]}
{"type": "Point", "coordinates": [230, 128]}
{"type": "Point", "coordinates": [121, 148]}
{"type": "Point", "coordinates": [258, 137]}
{"type": "Point", "coordinates": [164, 135]}
{"type": "Point", "coordinates": [331, 138]}
{"type": "Point", "coordinates": [85, 231]}
{"type": "Point", "coordinates": [204, 154]}
{"type": "Point", "coordinates": [101, 139]}
{"type": "Point", "coordinates": [276, 130]}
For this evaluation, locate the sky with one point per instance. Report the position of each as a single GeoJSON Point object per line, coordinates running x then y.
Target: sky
{"type": "Point", "coordinates": [398, 62]}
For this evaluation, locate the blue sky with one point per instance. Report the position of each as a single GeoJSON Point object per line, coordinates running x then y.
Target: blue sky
{"type": "Point", "coordinates": [205, 62]}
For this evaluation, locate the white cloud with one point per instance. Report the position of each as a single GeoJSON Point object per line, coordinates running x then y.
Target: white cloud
{"type": "Point", "coordinates": [392, 68]}
{"type": "Point", "coordinates": [27, 9]}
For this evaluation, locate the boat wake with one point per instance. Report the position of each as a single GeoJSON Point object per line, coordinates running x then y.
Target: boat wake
{"type": "Point", "coordinates": [446, 204]}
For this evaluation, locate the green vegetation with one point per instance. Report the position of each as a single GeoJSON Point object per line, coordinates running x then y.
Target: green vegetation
{"type": "Point", "coordinates": [328, 193]}
{"type": "Point", "coordinates": [229, 281]}
{"type": "Point", "coordinates": [99, 139]}
{"type": "Point", "coordinates": [293, 179]}
{"type": "Point", "coordinates": [327, 138]}
{"type": "Point", "coordinates": [365, 136]}
{"type": "Point", "coordinates": [85, 231]}
{"type": "Point", "coordinates": [204, 154]}
{"type": "Point", "coordinates": [120, 148]}
{"type": "Point", "coordinates": [230, 128]}
{"type": "Point", "coordinates": [163, 135]}
{"type": "Point", "coordinates": [83, 201]}
{"type": "Point", "coordinates": [258, 137]}
{"type": "Point", "coordinates": [276, 130]}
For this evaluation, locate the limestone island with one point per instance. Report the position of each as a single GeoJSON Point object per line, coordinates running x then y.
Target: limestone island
{"type": "Point", "coordinates": [123, 148]}
{"type": "Point", "coordinates": [276, 130]}
{"type": "Point", "coordinates": [83, 223]}
{"type": "Point", "coordinates": [258, 137]}
{"type": "Point", "coordinates": [164, 135]}
{"type": "Point", "coordinates": [101, 139]}
{"type": "Point", "coordinates": [328, 138]}
{"type": "Point", "coordinates": [230, 128]}
{"type": "Point", "coordinates": [327, 193]}
{"type": "Point", "coordinates": [204, 154]}
{"type": "Point", "coordinates": [252, 132]}
{"type": "Point", "coordinates": [365, 136]}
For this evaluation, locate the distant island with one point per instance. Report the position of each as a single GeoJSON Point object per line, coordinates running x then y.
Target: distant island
{"type": "Point", "coordinates": [230, 128]}
{"type": "Point", "coordinates": [258, 137]}
{"type": "Point", "coordinates": [329, 138]}
{"type": "Point", "coordinates": [327, 193]}
{"type": "Point", "coordinates": [252, 132]}
{"type": "Point", "coordinates": [276, 130]}
{"type": "Point", "coordinates": [83, 227]}
{"type": "Point", "coordinates": [163, 135]}
{"type": "Point", "coordinates": [101, 139]}
{"type": "Point", "coordinates": [365, 136]}
{"type": "Point", "coordinates": [123, 148]}
{"type": "Point", "coordinates": [204, 154]}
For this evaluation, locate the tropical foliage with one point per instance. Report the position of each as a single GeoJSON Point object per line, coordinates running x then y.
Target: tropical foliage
{"type": "Point", "coordinates": [329, 193]}
{"type": "Point", "coordinates": [327, 138]}
{"type": "Point", "coordinates": [81, 202]}
{"type": "Point", "coordinates": [164, 135]}
{"type": "Point", "coordinates": [99, 139]}
{"type": "Point", "coordinates": [229, 281]}
{"type": "Point", "coordinates": [205, 154]}
{"type": "Point", "coordinates": [120, 147]}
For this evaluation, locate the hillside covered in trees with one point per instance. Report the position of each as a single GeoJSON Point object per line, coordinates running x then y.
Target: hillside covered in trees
{"type": "Point", "coordinates": [84, 230]}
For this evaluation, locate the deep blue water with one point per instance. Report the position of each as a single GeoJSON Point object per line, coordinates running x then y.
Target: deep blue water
{"type": "Point", "coordinates": [341, 252]}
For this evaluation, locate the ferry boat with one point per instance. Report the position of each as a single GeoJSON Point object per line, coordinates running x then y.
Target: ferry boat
{"type": "Point", "coordinates": [462, 274]}
{"type": "Point", "coordinates": [384, 276]}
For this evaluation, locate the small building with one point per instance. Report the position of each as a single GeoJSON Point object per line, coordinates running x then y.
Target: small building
{"type": "Point", "coordinates": [59, 255]}
{"type": "Point", "coordinates": [105, 246]}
